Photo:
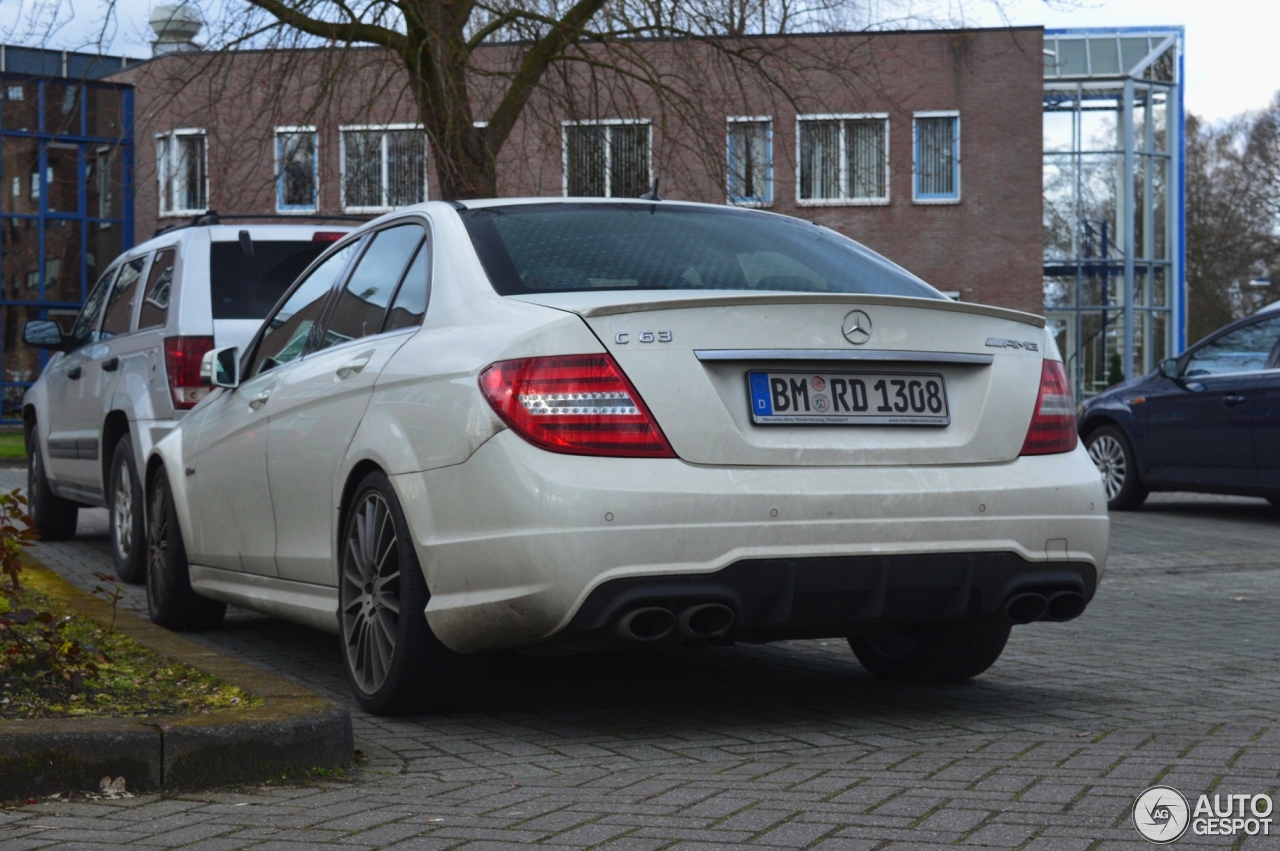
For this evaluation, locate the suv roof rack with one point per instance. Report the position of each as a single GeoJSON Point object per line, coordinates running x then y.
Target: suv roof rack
{"type": "Point", "coordinates": [213, 217]}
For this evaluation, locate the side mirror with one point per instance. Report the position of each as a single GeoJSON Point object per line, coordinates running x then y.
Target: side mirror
{"type": "Point", "coordinates": [1169, 368]}
{"type": "Point", "coordinates": [44, 334]}
{"type": "Point", "coordinates": [221, 367]}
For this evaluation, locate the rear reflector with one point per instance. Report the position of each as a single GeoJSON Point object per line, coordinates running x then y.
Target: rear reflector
{"type": "Point", "coordinates": [577, 404]}
{"type": "Point", "coordinates": [1053, 425]}
{"type": "Point", "coordinates": [182, 356]}
{"type": "Point", "coordinates": [327, 236]}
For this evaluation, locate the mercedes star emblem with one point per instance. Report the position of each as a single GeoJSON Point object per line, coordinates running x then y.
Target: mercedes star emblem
{"type": "Point", "coordinates": [856, 327]}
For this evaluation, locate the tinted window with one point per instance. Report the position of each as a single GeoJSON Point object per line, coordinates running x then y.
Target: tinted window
{"type": "Point", "coordinates": [84, 329]}
{"type": "Point", "coordinates": [285, 336]}
{"type": "Point", "coordinates": [155, 297]}
{"type": "Point", "coordinates": [1246, 349]}
{"type": "Point", "coordinates": [120, 300]}
{"type": "Point", "coordinates": [411, 301]}
{"type": "Point", "coordinates": [247, 287]}
{"type": "Point", "coordinates": [645, 246]}
{"type": "Point", "coordinates": [364, 299]}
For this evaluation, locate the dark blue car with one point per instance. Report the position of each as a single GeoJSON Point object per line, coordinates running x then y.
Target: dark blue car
{"type": "Point", "coordinates": [1208, 420]}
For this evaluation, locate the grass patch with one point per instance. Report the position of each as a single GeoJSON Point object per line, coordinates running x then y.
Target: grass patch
{"type": "Point", "coordinates": [12, 446]}
{"type": "Point", "coordinates": [131, 681]}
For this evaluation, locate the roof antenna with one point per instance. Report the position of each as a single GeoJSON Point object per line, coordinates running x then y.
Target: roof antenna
{"type": "Point", "coordinates": [652, 194]}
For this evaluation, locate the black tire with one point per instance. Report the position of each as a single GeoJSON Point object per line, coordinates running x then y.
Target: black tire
{"type": "Point", "coordinates": [1112, 454]}
{"type": "Point", "coordinates": [170, 601]}
{"type": "Point", "coordinates": [395, 664]}
{"type": "Point", "coordinates": [54, 517]}
{"type": "Point", "coordinates": [124, 508]}
{"type": "Point", "coordinates": [933, 658]}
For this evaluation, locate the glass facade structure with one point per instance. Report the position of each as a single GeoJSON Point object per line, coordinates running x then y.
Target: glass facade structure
{"type": "Point", "coordinates": [1113, 200]}
{"type": "Point", "coordinates": [66, 206]}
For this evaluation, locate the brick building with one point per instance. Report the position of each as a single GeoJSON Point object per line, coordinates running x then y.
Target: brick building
{"type": "Point", "coordinates": [925, 146]}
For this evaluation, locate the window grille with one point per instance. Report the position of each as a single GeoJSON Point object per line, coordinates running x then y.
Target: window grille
{"type": "Point", "coordinates": [844, 159]}
{"type": "Point", "coordinates": [937, 158]}
{"type": "Point", "coordinates": [383, 168]}
{"type": "Point", "coordinates": [608, 160]}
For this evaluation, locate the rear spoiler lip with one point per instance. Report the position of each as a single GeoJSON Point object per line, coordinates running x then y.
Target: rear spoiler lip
{"type": "Point", "coordinates": [679, 300]}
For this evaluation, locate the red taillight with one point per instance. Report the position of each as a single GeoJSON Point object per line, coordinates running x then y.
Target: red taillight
{"type": "Point", "coordinates": [1053, 425]}
{"type": "Point", "coordinates": [327, 236]}
{"type": "Point", "coordinates": [579, 404]}
{"type": "Point", "coordinates": [182, 357]}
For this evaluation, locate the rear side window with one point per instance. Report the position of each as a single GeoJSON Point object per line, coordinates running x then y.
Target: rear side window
{"type": "Point", "coordinates": [285, 336]}
{"type": "Point", "coordinates": [247, 286]}
{"type": "Point", "coordinates": [364, 299]}
{"type": "Point", "coordinates": [155, 296]}
{"type": "Point", "coordinates": [540, 248]}
{"type": "Point", "coordinates": [411, 301]}
{"type": "Point", "coordinates": [120, 299]}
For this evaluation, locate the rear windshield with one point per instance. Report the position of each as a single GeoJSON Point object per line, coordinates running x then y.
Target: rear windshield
{"type": "Point", "coordinates": [247, 287]}
{"type": "Point", "coordinates": [542, 248]}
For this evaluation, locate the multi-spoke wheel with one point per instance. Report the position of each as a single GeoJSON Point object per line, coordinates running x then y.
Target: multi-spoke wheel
{"type": "Point", "coordinates": [170, 600]}
{"type": "Point", "coordinates": [128, 547]}
{"type": "Point", "coordinates": [934, 658]}
{"type": "Point", "coordinates": [395, 664]}
{"type": "Point", "coordinates": [1113, 456]}
{"type": "Point", "coordinates": [55, 517]}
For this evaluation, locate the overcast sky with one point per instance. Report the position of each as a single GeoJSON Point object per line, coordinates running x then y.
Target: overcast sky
{"type": "Point", "coordinates": [1231, 54]}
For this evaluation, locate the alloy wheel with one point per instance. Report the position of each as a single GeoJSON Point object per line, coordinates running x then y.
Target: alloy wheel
{"type": "Point", "coordinates": [122, 512]}
{"type": "Point", "coordinates": [370, 593]}
{"type": "Point", "coordinates": [1108, 457]}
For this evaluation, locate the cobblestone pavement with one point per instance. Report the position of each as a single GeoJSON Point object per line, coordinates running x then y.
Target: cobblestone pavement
{"type": "Point", "coordinates": [1172, 676]}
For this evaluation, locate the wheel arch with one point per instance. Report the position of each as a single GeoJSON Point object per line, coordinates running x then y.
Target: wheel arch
{"type": "Point", "coordinates": [355, 476]}
{"type": "Point", "coordinates": [115, 426]}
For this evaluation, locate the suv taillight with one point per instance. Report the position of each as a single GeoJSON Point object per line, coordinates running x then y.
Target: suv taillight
{"type": "Point", "coordinates": [578, 404]}
{"type": "Point", "coordinates": [1053, 425]}
{"type": "Point", "coordinates": [182, 357]}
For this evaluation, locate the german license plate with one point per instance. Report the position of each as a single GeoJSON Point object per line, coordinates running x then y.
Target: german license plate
{"type": "Point", "coordinates": [837, 398]}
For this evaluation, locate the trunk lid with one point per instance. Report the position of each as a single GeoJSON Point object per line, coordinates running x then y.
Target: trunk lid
{"type": "Point", "coordinates": [689, 356]}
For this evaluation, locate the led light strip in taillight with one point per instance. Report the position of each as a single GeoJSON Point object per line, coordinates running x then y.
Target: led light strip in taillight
{"type": "Point", "coordinates": [1053, 424]}
{"type": "Point", "coordinates": [577, 404]}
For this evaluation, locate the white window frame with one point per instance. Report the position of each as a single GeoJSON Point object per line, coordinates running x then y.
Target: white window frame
{"type": "Point", "coordinates": [729, 198]}
{"type": "Point", "coordinates": [916, 197]}
{"type": "Point", "coordinates": [342, 163]}
{"type": "Point", "coordinates": [296, 209]}
{"type": "Point", "coordinates": [608, 155]}
{"type": "Point", "coordinates": [844, 161]}
{"type": "Point", "coordinates": [161, 171]}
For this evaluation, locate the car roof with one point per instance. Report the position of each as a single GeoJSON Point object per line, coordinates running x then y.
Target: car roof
{"type": "Point", "coordinates": [1275, 305]}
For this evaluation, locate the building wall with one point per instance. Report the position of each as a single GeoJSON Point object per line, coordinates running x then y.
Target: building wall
{"type": "Point", "coordinates": [986, 246]}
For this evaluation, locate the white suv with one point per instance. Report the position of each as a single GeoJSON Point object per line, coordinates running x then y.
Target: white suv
{"type": "Point", "coordinates": [129, 367]}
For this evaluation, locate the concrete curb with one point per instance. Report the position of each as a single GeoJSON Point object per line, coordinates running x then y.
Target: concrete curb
{"type": "Point", "coordinates": [294, 729]}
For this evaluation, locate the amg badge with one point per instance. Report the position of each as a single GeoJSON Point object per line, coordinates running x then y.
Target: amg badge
{"type": "Point", "coordinates": [1002, 343]}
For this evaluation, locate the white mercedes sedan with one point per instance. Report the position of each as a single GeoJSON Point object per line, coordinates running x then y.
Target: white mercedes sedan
{"type": "Point", "coordinates": [577, 425]}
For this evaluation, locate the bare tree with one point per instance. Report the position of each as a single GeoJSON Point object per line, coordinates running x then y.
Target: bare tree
{"type": "Point", "coordinates": [1232, 199]}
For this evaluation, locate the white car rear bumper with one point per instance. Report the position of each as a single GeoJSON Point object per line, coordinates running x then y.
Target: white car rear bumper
{"type": "Point", "coordinates": [515, 539]}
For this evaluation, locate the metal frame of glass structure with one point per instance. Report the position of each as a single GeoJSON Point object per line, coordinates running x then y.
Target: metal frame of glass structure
{"type": "Point", "coordinates": [66, 206]}
{"type": "Point", "coordinates": [1114, 275]}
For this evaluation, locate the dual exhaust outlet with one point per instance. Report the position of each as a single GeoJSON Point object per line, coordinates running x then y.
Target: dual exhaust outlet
{"type": "Point", "coordinates": [648, 624]}
{"type": "Point", "coordinates": [1031, 606]}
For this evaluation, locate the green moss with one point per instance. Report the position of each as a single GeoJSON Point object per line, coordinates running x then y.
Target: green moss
{"type": "Point", "coordinates": [131, 681]}
{"type": "Point", "coordinates": [12, 446]}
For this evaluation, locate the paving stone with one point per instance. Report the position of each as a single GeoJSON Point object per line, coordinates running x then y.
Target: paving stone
{"type": "Point", "coordinates": [1165, 678]}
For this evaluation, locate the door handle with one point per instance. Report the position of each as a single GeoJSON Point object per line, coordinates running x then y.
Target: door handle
{"type": "Point", "coordinates": [74, 373]}
{"type": "Point", "coordinates": [261, 399]}
{"type": "Point", "coordinates": [1233, 400]}
{"type": "Point", "coordinates": [111, 364]}
{"type": "Point", "coordinates": [351, 367]}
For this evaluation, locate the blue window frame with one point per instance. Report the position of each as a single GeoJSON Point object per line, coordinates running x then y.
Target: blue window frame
{"type": "Point", "coordinates": [297, 170]}
{"type": "Point", "coordinates": [750, 178]}
{"type": "Point", "coordinates": [936, 157]}
{"type": "Point", "coordinates": [67, 209]}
